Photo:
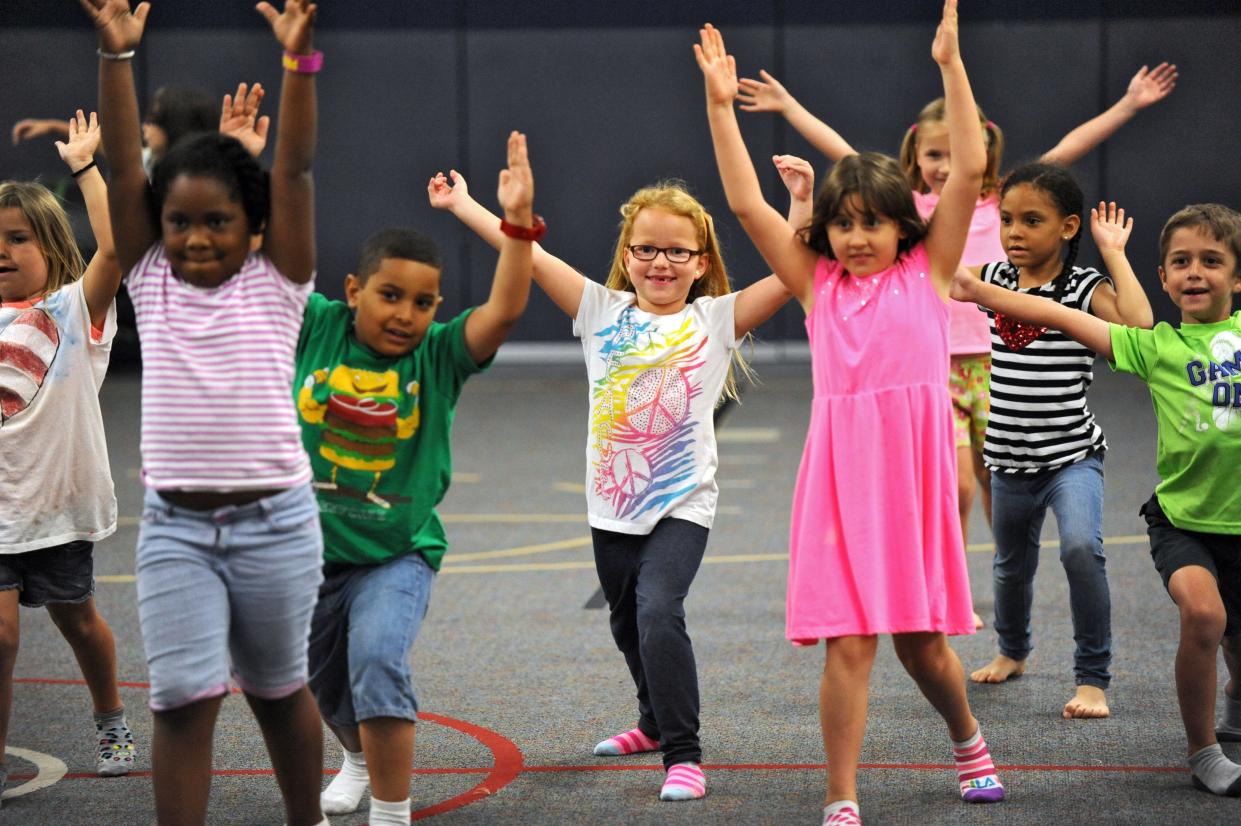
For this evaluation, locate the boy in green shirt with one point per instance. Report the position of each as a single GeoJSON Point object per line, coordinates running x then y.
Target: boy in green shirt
{"type": "Point", "coordinates": [376, 384]}
{"type": "Point", "coordinates": [1194, 516]}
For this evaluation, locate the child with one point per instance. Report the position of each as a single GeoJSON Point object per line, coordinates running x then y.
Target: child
{"type": "Point", "coordinates": [925, 160]}
{"type": "Point", "coordinates": [1044, 448]}
{"type": "Point", "coordinates": [1194, 522]}
{"type": "Point", "coordinates": [380, 451]}
{"type": "Point", "coordinates": [229, 552]}
{"type": "Point", "coordinates": [658, 339]}
{"type": "Point", "coordinates": [874, 504]}
{"type": "Point", "coordinates": [57, 320]}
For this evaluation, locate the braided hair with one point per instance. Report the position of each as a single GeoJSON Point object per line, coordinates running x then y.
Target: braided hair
{"type": "Point", "coordinates": [1065, 193]}
{"type": "Point", "coordinates": [212, 155]}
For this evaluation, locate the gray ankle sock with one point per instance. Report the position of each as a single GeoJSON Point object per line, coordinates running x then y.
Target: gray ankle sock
{"type": "Point", "coordinates": [104, 719]}
{"type": "Point", "coordinates": [1230, 726]}
{"type": "Point", "coordinates": [1214, 772]}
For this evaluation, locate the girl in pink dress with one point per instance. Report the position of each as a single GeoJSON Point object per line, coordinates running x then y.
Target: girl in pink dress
{"type": "Point", "coordinates": [925, 160]}
{"type": "Point", "coordinates": [876, 543]}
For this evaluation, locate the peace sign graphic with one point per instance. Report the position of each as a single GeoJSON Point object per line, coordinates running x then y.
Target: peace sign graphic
{"type": "Point", "coordinates": [657, 401]}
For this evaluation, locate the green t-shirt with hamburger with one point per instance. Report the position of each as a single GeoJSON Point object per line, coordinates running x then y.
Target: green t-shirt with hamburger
{"type": "Point", "coordinates": [378, 433]}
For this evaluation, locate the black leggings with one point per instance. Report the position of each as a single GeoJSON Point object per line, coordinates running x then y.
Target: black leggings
{"type": "Point", "coordinates": [645, 580]}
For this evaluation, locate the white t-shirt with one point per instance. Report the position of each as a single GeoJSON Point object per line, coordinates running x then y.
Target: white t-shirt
{"type": "Point", "coordinates": [654, 384]}
{"type": "Point", "coordinates": [55, 483]}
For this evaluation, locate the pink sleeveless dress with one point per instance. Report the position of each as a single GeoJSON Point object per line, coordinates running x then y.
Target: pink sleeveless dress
{"type": "Point", "coordinates": [875, 545]}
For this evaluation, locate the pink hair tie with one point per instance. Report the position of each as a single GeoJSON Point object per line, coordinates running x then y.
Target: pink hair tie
{"type": "Point", "coordinates": [913, 128]}
{"type": "Point", "coordinates": [991, 124]}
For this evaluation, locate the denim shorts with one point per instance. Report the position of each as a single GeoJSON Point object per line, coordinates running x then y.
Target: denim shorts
{"type": "Point", "coordinates": [235, 585]}
{"type": "Point", "coordinates": [60, 575]}
{"type": "Point", "coordinates": [365, 623]}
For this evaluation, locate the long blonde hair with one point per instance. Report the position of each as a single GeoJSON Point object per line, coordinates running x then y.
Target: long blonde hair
{"type": "Point", "coordinates": [673, 197]}
{"type": "Point", "coordinates": [51, 230]}
{"type": "Point", "coordinates": [933, 113]}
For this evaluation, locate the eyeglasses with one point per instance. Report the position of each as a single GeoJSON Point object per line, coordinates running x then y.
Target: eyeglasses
{"type": "Point", "coordinates": [675, 255]}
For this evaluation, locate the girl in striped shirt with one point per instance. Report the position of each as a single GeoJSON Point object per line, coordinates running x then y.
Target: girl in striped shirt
{"type": "Point", "coordinates": [1043, 446]}
{"type": "Point", "coordinates": [229, 552]}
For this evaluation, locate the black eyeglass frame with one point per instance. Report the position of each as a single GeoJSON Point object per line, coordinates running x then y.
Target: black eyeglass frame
{"type": "Point", "coordinates": [633, 250]}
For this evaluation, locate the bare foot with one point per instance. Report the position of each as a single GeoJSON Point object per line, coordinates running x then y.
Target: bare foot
{"type": "Point", "coordinates": [1088, 703]}
{"type": "Point", "coordinates": [998, 670]}
{"type": "Point", "coordinates": [978, 623]}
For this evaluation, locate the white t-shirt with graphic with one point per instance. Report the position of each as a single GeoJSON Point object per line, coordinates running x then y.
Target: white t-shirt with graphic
{"type": "Point", "coordinates": [55, 483]}
{"type": "Point", "coordinates": [654, 384]}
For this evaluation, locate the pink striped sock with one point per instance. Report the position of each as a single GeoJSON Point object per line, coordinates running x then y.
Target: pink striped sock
{"type": "Point", "coordinates": [841, 813]}
{"type": "Point", "coordinates": [976, 772]}
{"type": "Point", "coordinates": [684, 781]}
{"type": "Point", "coordinates": [629, 742]}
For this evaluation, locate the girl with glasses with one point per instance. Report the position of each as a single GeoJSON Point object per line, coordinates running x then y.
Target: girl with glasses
{"type": "Point", "coordinates": [660, 339]}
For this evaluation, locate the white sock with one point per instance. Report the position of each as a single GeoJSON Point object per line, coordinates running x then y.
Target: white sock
{"type": "Point", "coordinates": [1214, 772]}
{"type": "Point", "coordinates": [384, 813]}
{"type": "Point", "coordinates": [344, 794]}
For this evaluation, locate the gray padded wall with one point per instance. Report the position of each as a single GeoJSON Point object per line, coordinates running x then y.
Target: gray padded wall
{"type": "Point", "coordinates": [609, 108]}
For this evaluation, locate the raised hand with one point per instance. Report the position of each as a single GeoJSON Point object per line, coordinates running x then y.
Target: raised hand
{"type": "Point", "coordinates": [797, 174]}
{"type": "Point", "coordinates": [447, 191]}
{"type": "Point", "coordinates": [83, 141]}
{"type": "Point", "coordinates": [516, 190]}
{"type": "Point", "coordinates": [239, 118]}
{"type": "Point", "coordinates": [947, 47]}
{"type": "Point", "coordinates": [719, 68]}
{"type": "Point", "coordinates": [120, 30]}
{"type": "Point", "coordinates": [766, 95]}
{"type": "Point", "coordinates": [1151, 86]}
{"type": "Point", "coordinates": [1109, 227]}
{"type": "Point", "coordinates": [293, 27]}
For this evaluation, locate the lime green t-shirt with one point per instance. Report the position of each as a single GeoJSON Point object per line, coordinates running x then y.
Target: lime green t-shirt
{"type": "Point", "coordinates": [1194, 375]}
{"type": "Point", "coordinates": [378, 432]}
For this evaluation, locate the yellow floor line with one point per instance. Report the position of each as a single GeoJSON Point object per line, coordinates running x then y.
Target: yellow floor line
{"type": "Point", "coordinates": [524, 550]}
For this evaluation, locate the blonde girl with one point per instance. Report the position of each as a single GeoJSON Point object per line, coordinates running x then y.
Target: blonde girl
{"type": "Point", "coordinates": [659, 339]}
{"type": "Point", "coordinates": [57, 321]}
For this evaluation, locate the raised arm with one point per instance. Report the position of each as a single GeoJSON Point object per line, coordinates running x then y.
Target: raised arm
{"type": "Point", "coordinates": [950, 223]}
{"type": "Point", "coordinates": [134, 225]}
{"type": "Point", "coordinates": [769, 95]}
{"type": "Point", "coordinates": [239, 118]}
{"type": "Point", "coordinates": [1033, 309]}
{"type": "Point", "coordinates": [289, 239]}
{"type": "Point", "coordinates": [759, 301]}
{"type": "Point", "coordinates": [1126, 304]}
{"type": "Point", "coordinates": [489, 325]}
{"type": "Point", "coordinates": [30, 128]}
{"type": "Point", "coordinates": [103, 275]}
{"type": "Point", "coordinates": [563, 284]}
{"type": "Point", "coordinates": [789, 258]}
{"type": "Point", "coordinates": [1146, 87]}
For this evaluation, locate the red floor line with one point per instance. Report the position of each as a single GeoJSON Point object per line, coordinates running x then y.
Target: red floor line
{"type": "Point", "coordinates": [509, 771]}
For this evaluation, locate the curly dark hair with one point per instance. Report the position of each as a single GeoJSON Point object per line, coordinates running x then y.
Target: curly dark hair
{"type": "Point", "coordinates": [1060, 185]}
{"type": "Point", "coordinates": [212, 155]}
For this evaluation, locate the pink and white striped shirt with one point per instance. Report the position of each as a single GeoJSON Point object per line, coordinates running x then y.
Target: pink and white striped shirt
{"type": "Point", "coordinates": [217, 373]}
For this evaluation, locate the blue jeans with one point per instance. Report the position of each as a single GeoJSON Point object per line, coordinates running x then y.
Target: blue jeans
{"type": "Point", "coordinates": [365, 622]}
{"type": "Point", "coordinates": [1019, 502]}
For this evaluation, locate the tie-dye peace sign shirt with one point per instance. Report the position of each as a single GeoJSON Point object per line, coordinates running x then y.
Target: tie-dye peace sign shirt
{"type": "Point", "coordinates": [55, 483]}
{"type": "Point", "coordinates": [654, 384]}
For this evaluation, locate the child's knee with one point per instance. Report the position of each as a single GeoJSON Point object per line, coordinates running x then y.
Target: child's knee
{"type": "Point", "coordinates": [1203, 622]}
{"type": "Point", "coordinates": [1082, 553]}
{"type": "Point", "coordinates": [76, 622]}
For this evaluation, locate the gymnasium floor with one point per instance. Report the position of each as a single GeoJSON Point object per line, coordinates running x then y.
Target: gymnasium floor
{"type": "Point", "coordinates": [519, 678]}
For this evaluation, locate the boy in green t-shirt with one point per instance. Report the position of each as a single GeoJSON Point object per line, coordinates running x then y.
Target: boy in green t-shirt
{"type": "Point", "coordinates": [1194, 517]}
{"type": "Point", "coordinates": [376, 384]}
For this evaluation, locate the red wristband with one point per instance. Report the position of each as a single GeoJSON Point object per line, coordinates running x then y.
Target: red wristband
{"type": "Point", "coordinates": [534, 233]}
{"type": "Point", "coordinates": [303, 64]}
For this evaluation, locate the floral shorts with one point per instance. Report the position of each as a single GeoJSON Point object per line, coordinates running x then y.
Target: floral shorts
{"type": "Point", "coordinates": [969, 385]}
